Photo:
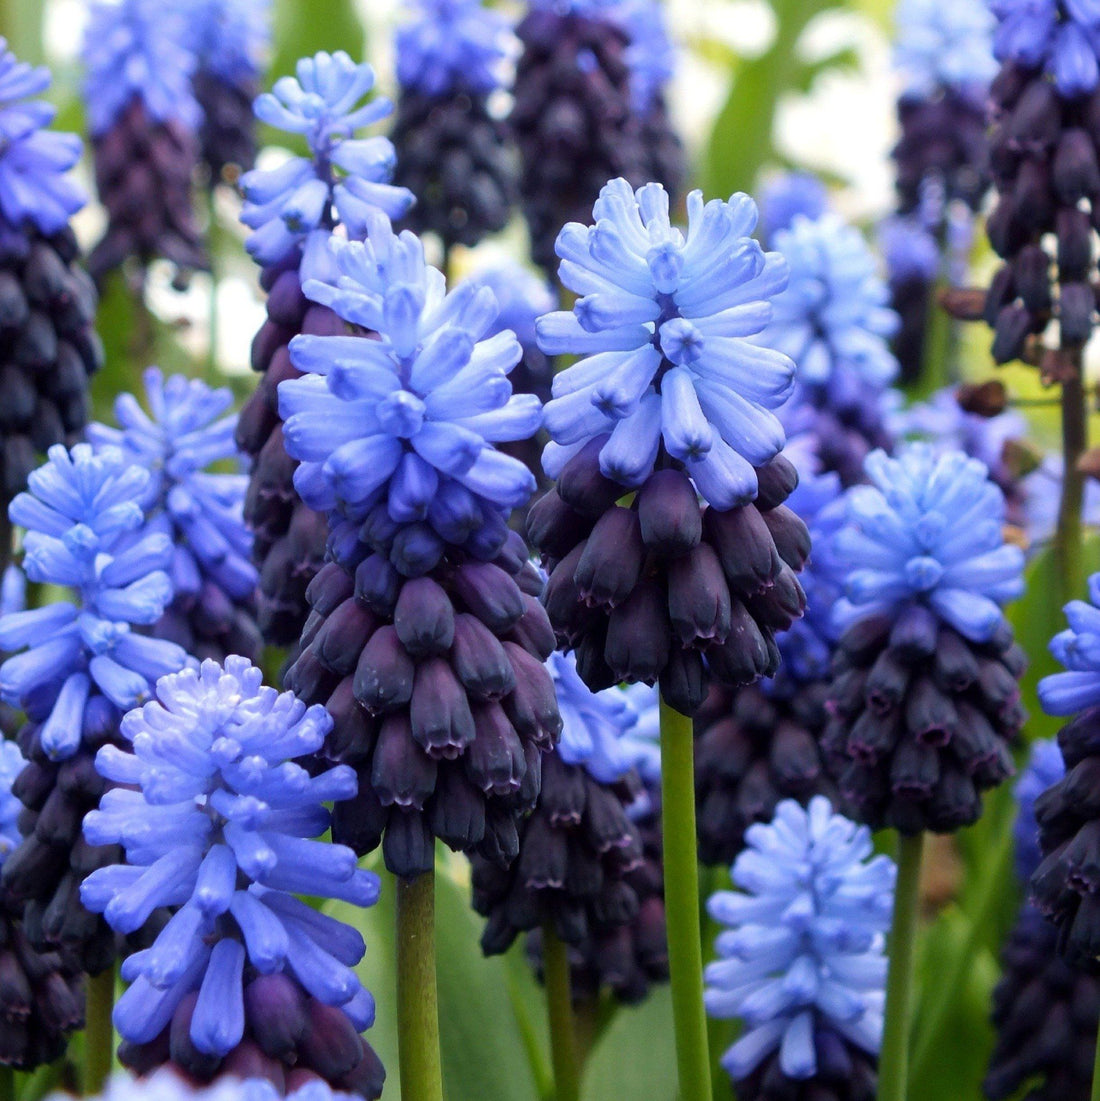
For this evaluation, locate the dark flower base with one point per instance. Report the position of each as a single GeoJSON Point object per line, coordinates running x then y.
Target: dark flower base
{"type": "Point", "coordinates": [289, 545]}
{"type": "Point", "coordinates": [911, 298]}
{"type": "Point", "coordinates": [290, 1039]}
{"type": "Point", "coordinates": [1045, 1013]}
{"type": "Point", "coordinates": [143, 173]}
{"type": "Point", "coordinates": [440, 698]}
{"type": "Point", "coordinates": [753, 750]}
{"type": "Point", "coordinates": [227, 139]}
{"type": "Point", "coordinates": [664, 590]}
{"type": "Point", "coordinates": [845, 1073]}
{"type": "Point", "coordinates": [921, 721]}
{"type": "Point", "coordinates": [48, 349]}
{"type": "Point", "coordinates": [209, 624]}
{"type": "Point", "coordinates": [455, 157]}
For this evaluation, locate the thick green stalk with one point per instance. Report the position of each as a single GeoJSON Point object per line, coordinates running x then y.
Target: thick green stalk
{"type": "Point", "coordinates": [938, 367]}
{"type": "Point", "coordinates": [893, 1065]}
{"type": "Point", "coordinates": [417, 1000]}
{"type": "Point", "coordinates": [559, 1004]}
{"type": "Point", "coordinates": [1095, 1093]}
{"type": "Point", "coordinates": [99, 1034]}
{"type": "Point", "coordinates": [685, 953]}
{"type": "Point", "coordinates": [1069, 533]}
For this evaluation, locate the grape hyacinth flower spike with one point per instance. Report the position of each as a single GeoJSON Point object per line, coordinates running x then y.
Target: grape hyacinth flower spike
{"type": "Point", "coordinates": [144, 121]}
{"type": "Point", "coordinates": [803, 962]}
{"type": "Point", "coordinates": [229, 39]}
{"type": "Point", "coordinates": [216, 816]}
{"type": "Point", "coordinates": [76, 665]}
{"type": "Point", "coordinates": [293, 210]}
{"type": "Point", "coordinates": [453, 149]}
{"type": "Point", "coordinates": [187, 429]}
{"type": "Point", "coordinates": [48, 345]}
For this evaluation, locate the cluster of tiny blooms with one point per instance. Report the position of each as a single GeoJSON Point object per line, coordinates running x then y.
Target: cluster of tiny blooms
{"type": "Point", "coordinates": [1062, 37]}
{"type": "Point", "coordinates": [86, 530]}
{"type": "Point", "coordinates": [942, 45]}
{"type": "Point", "coordinates": [344, 178]}
{"type": "Point", "coordinates": [806, 949]}
{"type": "Point", "coordinates": [166, 1085]}
{"type": "Point", "coordinates": [228, 37]}
{"type": "Point", "coordinates": [407, 420]}
{"type": "Point", "coordinates": [33, 161]}
{"type": "Point", "coordinates": [788, 195]}
{"type": "Point", "coordinates": [1077, 648]}
{"type": "Point", "coordinates": [215, 816]}
{"type": "Point", "coordinates": [662, 323]}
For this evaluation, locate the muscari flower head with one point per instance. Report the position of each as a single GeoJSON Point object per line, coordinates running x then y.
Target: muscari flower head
{"type": "Point", "coordinates": [33, 161]}
{"type": "Point", "coordinates": [11, 764]}
{"type": "Point", "coordinates": [167, 1085]}
{"type": "Point", "coordinates": [82, 658]}
{"type": "Point", "coordinates": [833, 319]}
{"type": "Point", "coordinates": [452, 44]}
{"type": "Point", "coordinates": [229, 37]}
{"type": "Point", "coordinates": [407, 421]}
{"type": "Point", "coordinates": [787, 196]}
{"type": "Point", "coordinates": [216, 818]}
{"type": "Point", "coordinates": [1078, 649]}
{"type": "Point", "coordinates": [187, 429]}
{"type": "Point", "coordinates": [1045, 767]}
{"type": "Point", "coordinates": [1061, 37]}
{"type": "Point", "coordinates": [805, 952]}
{"type": "Point", "coordinates": [136, 49]}
{"type": "Point", "coordinates": [662, 321]}
{"type": "Point", "coordinates": [928, 530]}
{"type": "Point", "coordinates": [343, 180]}
{"type": "Point", "coordinates": [942, 46]}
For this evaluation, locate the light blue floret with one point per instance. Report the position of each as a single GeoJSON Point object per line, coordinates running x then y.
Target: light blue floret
{"type": "Point", "coordinates": [662, 323]}
{"type": "Point", "coordinates": [86, 531]}
{"type": "Point", "coordinates": [12, 763]}
{"type": "Point", "coordinates": [522, 298]}
{"type": "Point", "coordinates": [929, 529]}
{"type": "Point", "coordinates": [1061, 37]}
{"type": "Point", "coordinates": [167, 1085]}
{"type": "Point", "coordinates": [1078, 649]}
{"type": "Point", "coordinates": [1045, 767]}
{"type": "Point", "coordinates": [944, 45]}
{"type": "Point", "coordinates": [229, 38]}
{"type": "Point", "coordinates": [216, 818]}
{"type": "Point", "coordinates": [787, 196]}
{"type": "Point", "coordinates": [805, 950]}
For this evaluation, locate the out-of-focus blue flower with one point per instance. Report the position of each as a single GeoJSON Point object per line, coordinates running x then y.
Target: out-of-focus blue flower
{"type": "Point", "coordinates": [522, 296]}
{"type": "Point", "coordinates": [1078, 649]}
{"type": "Point", "coordinates": [408, 419]}
{"type": "Point", "coordinates": [788, 195]}
{"type": "Point", "coordinates": [806, 947]}
{"type": "Point", "coordinates": [833, 319]}
{"type": "Point", "coordinates": [1042, 490]}
{"type": "Point", "coordinates": [650, 55]}
{"type": "Point", "coordinates": [229, 37]}
{"type": "Point", "coordinates": [452, 45]}
{"type": "Point", "coordinates": [911, 252]}
{"type": "Point", "coordinates": [662, 322]}
{"type": "Point", "coordinates": [216, 818]}
{"type": "Point", "coordinates": [183, 433]}
{"type": "Point", "coordinates": [343, 181]}
{"type": "Point", "coordinates": [642, 740]}
{"type": "Point", "coordinates": [82, 660]}
{"type": "Point", "coordinates": [928, 530]}
{"type": "Point", "coordinates": [1060, 36]}
{"type": "Point", "coordinates": [944, 44]}
{"type": "Point", "coordinates": [137, 49]}
{"type": "Point", "coordinates": [11, 764]}
{"type": "Point", "coordinates": [167, 1085]}
{"type": "Point", "coordinates": [33, 160]}
{"type": "Point", "coordinates": [1045, 767]}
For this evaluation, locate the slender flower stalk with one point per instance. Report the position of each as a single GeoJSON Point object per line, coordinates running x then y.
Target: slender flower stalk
{"type": "Point", "coordinates": [417, 1000]}
{"type": "Point", "coordinates": [563, 1027]}
{"type": "Point", "coordinates": [99, 1032]}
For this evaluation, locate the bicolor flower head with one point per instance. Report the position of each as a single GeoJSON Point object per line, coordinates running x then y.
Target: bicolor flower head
{"type": "Point", "coordinates": [833, 319]}
{"type": "Point", "coordinates": [805, 953]}
{"type": "Point", "coordinates": [786, 197]}
{"type": "Point", "coordinates": [661, 323]}
{"type": "Point", "coordinates": [229, 37]}
{"type": "Point", "coordinates": [1078, 649]}
{"type": "Point", "coordinates": [188, 427]}
{"type": "Point", "coordinates": [11, 764]}
{"type": "Point", "coordinates": [136, 49]}
{"type": "Point", "coordinates": [216, 818]}
{"type": "Point", "coordinates": [928, 530]}
{"type": "Point", "coordinates": [343, 181]}
{"type": "Point", "coordinates": [1045, 767]}
{"type": "Point", "coordinates": [942, 46]}
{"type": "Point", "coordinates": [80, 660]}
{"type": "Point", "coordinates": [452, 45]}
{"type": "Point", "coordinates": [167, 1085]}
{"type": "Point", "coordinates": [1061, 37]}
{"type": "Point", "coordinates": [34, 187]}
{"type": "Point", "coordinates": [407, 421]}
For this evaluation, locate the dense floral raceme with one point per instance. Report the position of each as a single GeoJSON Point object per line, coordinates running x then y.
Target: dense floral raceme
{"type": "Point", "coordinates": [215, 816]}
{"type": "Point", "coordinates": [229, 39]}
{"type": "Point", "coordinates": [186, 430]}
{"type": "Point", "coordinates": [940, 46]}
{"type": "Point", "coordinates": [294, 208]}
{"type": "Point", "coordinates": [803, 964]}
{"type": "Point", "coordinates": [582, 869]}
{"type": "Point", "coordinates": [1058, 37]}
{"type": "Point", "coordinates": [144, 122]}
{"type": "Point", "coordinates": [923, 698]}
{"type": "Point", "coordinates": [788, 195]}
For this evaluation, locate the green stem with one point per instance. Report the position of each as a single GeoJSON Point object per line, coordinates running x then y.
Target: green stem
{"type": "Point", "coordinates": [893, 1065]}
{"type": "Point", "coordinates": [937, 362]}
{"type": "Point", "coordinates": [7, 1084]}
{"type": "Point", "coordinates": [1068, 535]}
{"type": "Point", "coordinates": [685, 954]}
{"type": "Point", "coordinates": [417, 1000]}
{"type": "Point", "coordinates": [1095, 1093]}
{"type": "Point", "coordinates": [212, 375]}
{"type": "Point", "coordinates": [559, 1003]}
{"type": "Point", "coordinates": [99, 1035]}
